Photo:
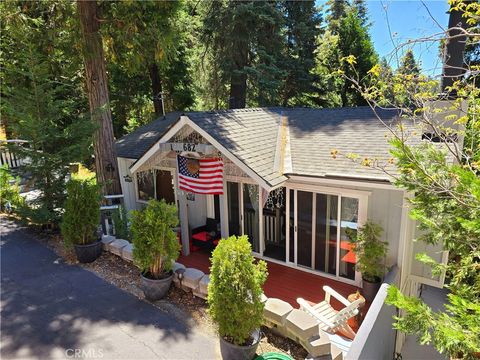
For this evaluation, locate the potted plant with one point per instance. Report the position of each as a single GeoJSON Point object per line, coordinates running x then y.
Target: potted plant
{"type": "Point", "coordinates": [81, 218]}
{"type": "Point", "coordinates": [234, 297]}
{"type": "Point", "coordinates": [370, 252]}
{"type": "Point", "coordinates": [155, 246]}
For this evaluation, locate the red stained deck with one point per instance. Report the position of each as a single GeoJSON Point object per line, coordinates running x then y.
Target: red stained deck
{"type": "Point", "coordinates": [283, 282]}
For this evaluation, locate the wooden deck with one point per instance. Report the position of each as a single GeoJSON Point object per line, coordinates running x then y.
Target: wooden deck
{"type": "Point", "coordinates": [283, 282]}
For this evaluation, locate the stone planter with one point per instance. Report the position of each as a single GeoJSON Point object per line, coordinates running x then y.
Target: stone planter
{"type": "Point", "coordinates": [88, 253]}
{"type": "Point", "coordinates": [156, 289]}
{"type": "Point", "coordinates": [231, 351]}
{"type": "Point", "coordinates": [370, 289]}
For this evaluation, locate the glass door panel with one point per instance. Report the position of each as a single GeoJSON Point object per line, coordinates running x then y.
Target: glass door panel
{"type": "Point", "coordinates": [233, 209]}
{"type": "Point", "coordinates": [251, 215]}
{"type": "Point", "coordinates": [291, 214]}
{"type": "Point", "coordinates": [326, 233]}
{"type": "Point", "coordinates": [304, 228]}
{"type": "Point", "coordinates": [348, 219]}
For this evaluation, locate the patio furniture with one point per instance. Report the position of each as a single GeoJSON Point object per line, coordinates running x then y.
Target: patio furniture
{"type": "Point", "coordinates": [206, 236]}
{"type": "Point", "coordinates": [329, 319]}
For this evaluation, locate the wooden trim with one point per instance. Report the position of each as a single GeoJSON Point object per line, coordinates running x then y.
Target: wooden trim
{"type": "Point", "coordinates": [329, 190]}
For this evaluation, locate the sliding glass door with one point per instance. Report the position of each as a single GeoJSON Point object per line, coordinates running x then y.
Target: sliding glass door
{"type": "Point", "coordinates": [317, 237]}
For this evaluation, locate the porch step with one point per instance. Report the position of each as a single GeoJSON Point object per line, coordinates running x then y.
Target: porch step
{"type": "Point", "coordinates": [127, 252]}
{"type": "Point", "coordinates": [116, 246]}
{"type": "Point", "coordinates": [276, 311]}
{"type": "Point", "coordinates": [106, 241]}
{"type": "Point", "coordinates": [301, 326]}
{"type": "Point", "coordinates": [191, 278]}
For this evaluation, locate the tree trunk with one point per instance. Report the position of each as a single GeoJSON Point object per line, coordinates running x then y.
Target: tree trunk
{"type": "Point", "coordinates": [156, 89]}
{"type": "Point", "coordinates": [97, 89]}
{"type": "Point", "coordinates": [238, 79]}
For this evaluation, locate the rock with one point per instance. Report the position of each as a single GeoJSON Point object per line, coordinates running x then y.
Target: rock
{"type": "Point", "coordinates": [191, 278]}
{"type": "Point", "coordinates": [203, 284]}
{"type": "Point", "coordinates": [337, 354]}
{"type": "Point", "coordinates": [301, 326]}
{"type": "Point", "coordinates": [116, 246]}
{"type": "Point", "coordinates": [263, 298]}
{"type": "Point", "coordinates": [275, 312]}
{"type": "Point", "coordinates": [318, 345]}
{"type": "Point", "coordinates": [106, 241]}
{"type": "Point", "coordinates": [177, 266]}
{"type": "Point", "coordinates": [127, 252]}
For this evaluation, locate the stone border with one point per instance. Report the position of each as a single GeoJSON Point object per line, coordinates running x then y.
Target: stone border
{"type": "Point", "coordinates": [278, 315]}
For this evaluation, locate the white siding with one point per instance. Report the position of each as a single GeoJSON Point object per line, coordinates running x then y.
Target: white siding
{"type": "Point", "coordinates": [385, 209]}
{"type": "Point", "coordinates": [128, 188]}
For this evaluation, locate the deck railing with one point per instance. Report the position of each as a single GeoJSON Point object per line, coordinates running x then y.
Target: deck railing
{"type": "Point", "coordinates": [375, 338]}
{"type": "Point", "coordinates": [8, 155]}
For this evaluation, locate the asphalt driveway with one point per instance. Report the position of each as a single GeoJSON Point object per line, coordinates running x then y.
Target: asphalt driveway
{"type": "Point", "coordinates": [51, 310]}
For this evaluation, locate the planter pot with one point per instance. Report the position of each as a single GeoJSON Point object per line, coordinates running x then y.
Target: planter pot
{"type": "Point", "coordinates": [231, 351]}
{"type": "Point", "coordinates": [88, 253]}
{"type": "Point", "coordinates": [156, 289]}
{"type": "Point", "coordinates": [370, 289]}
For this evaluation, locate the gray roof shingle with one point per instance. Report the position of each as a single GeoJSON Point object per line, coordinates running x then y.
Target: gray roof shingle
{"type": "Point", "coordinates": [251, 136]}
{"type": "Point", "coordinates": [135, 144]}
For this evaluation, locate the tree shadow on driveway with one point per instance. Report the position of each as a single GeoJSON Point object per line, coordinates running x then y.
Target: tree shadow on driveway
{"type": "Point", "coordinates": [50, 309]}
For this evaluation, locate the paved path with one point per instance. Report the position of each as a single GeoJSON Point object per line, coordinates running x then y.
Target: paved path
{"type": "Point", "coordinates": [53, 310]}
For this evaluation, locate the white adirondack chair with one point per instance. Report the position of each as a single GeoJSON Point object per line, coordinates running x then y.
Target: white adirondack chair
{"type": "Point", "coordinates": [329, 319]}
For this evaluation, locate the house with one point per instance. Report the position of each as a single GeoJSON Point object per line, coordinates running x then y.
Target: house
{"type": "Point", "coordinates": [282, 185]}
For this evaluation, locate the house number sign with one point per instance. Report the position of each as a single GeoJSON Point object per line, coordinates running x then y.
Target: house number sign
{"type": "Point", "coordinates": [202, 148]}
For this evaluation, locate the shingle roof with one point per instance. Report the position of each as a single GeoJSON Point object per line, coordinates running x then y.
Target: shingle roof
{"type": "Point", "coordinates": [135, 144]}
{"type": "Point", "coordinates": [251, 135]}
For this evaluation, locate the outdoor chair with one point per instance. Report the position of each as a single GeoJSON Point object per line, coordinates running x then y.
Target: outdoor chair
{"type": "Point", "coordinates": [329, 319]}
{"type": "Point", "coordinates": [206, 236]}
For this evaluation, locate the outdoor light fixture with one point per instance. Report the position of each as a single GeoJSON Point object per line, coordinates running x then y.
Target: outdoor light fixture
{"type": "Point", "coordinates": [127, 178]}
{"type": "Point", "coordinates": [109, 167]}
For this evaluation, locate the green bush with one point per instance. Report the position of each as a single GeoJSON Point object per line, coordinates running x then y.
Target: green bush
{"type": "Point", "coordinates": [155, 243]}
{"type": "Point", "coordinates": [82, 212]}
{"type": "Point", "coordinates": [369, 250]}
{"type": "Point", "coordinates": [235, 289]}
{"type": "Point", "coordinates": [9, 189]}
{"type": "Point", "coordinates": [120, 223]}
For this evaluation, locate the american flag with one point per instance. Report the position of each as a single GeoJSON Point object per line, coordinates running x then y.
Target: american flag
{"type": "Point", "coordinates": [201, 176]}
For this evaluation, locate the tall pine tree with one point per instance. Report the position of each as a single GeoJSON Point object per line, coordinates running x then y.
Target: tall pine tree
{"type": "Point", "coordinates": [302, 23]}
{"type": "Point", "coordinates": [42, 99]}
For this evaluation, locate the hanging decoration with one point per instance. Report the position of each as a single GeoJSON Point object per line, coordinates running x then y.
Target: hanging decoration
{"type": "Point", "coordinates": [276, 199]}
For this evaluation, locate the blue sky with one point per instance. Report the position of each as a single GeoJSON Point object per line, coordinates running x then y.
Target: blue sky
{"type": "Point", "coordinates": [408, 20]}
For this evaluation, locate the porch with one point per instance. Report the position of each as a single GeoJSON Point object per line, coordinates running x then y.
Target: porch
{"type": "Point", "coordinates": [283, 282]}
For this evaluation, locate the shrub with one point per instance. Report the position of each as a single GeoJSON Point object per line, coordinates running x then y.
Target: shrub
{"type": "Point", "coordinates": [155, 243]}
{"type": "Point", "coordinates": [82, 212]}
{"type": "Point", "coordinates": [120, 223]}
{"type": "Point", "coordinates": [235, 289]}
{"type": "Point", "coordinates": [9, 190]}
{"type": "Point", "coordinates": [369, 250]}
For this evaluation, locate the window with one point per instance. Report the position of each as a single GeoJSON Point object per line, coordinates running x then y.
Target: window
{"type": "Point", "coordinates": [145, 185]}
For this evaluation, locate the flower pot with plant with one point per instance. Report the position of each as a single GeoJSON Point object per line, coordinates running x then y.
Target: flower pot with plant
{"type": "Point", "coordinates": [370, 252]}
{"type": "Point", "coordinates": [81, 219]}
{"type": "Point", "coordinates": [234, 297]}
{"type": "Point", "coordinates": [155, 246]}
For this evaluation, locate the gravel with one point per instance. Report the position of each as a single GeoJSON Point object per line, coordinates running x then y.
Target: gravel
{"type": "Point", "coordinates": [183, 305]}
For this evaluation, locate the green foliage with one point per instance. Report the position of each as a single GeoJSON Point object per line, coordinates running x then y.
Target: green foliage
{"type": "Point", "coordinates": [40, 98]}
{"type": "Point", "coordinates": [235, 289]}
{"type": "Point", "coordinates": [455, 331]}
{"type": "Point", "coordinates": [369, 250]}
{"type": "Point", "coordinates": [346, 38]}
{"type": "Point", "coordinates": [155, 242]}
{"type": "Point", "coordinates": [120, 221]}
{"type": "Point", "coordinates": [82, 212]}
{"type": "Point", "coordinates": [408, 64]}
{"type": "Point", "coordinates": [9, 189]}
